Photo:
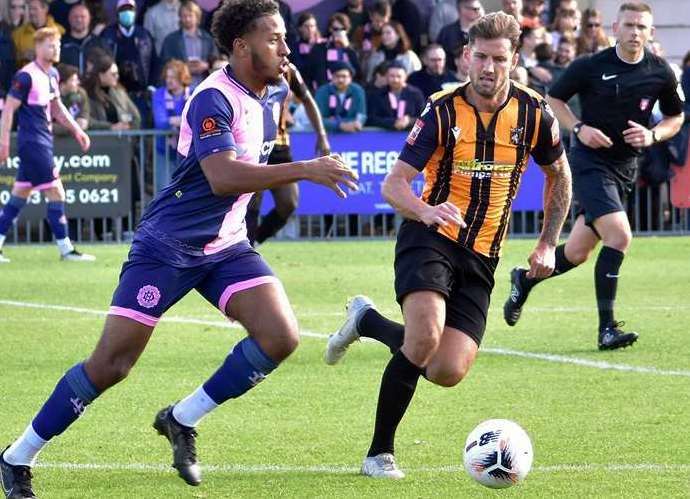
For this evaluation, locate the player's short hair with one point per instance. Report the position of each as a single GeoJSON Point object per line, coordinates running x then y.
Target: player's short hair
{"type": "Point", "coordinates": [496, 25]}
{"type": "Point", "coordinates": [45, 33]}
{"type": "Point", "coordinates": [635, 7]}
{"type": "Point", "coordinates": [181, 71]}
{"type": "Point", "coordinates": [236, 18]}
{"type": "Point", "coordinates": [191, 6]}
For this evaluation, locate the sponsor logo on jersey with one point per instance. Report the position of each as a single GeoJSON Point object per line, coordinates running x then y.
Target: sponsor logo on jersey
{"type": "Point", "coordinates": [516, 134]}
{"type": "Point", "coordinates": [456, 132]}
{"type": "Point", "coordinates": [414, 133]}
{"type": "Point", "coordinates": [209, 128]}
{"type": "Point", "coordinates": [606, 77]}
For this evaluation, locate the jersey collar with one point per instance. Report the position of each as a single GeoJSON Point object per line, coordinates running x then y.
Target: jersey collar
{"type": "Point", "coordinates": [233, 79]}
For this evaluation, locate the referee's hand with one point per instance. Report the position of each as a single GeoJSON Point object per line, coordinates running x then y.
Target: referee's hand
{"type": "Point", "coordinates": [593, 137]}
{"type": "Point", "coordinates": [637, 135]}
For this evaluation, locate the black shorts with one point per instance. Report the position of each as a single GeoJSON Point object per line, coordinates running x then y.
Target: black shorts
{"type": "Point", "coordinates": [426, 260]}
{"type": "Point", "coordinates": [597, 191]}
{"type": "Point", "coordinates": [280, 154]}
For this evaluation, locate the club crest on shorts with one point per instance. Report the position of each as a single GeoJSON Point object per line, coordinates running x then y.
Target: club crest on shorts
{"type": "Point", "coordinates": [516, 134]}
{"type": "Point", "coordinates": [148, 296]}
{"type": "Point", "coordinates": [644, 103]}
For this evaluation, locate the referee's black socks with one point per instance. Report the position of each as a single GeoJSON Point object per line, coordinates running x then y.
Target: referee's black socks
{"type": "Point", "coordinates": [606, 283]}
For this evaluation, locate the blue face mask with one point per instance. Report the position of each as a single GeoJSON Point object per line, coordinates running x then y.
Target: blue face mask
{"type": "Point", "coordinates": [126, 18]}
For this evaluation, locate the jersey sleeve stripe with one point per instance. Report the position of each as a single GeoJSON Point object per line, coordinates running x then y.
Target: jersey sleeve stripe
{"type": "Point", "coordinates": [441, 189]}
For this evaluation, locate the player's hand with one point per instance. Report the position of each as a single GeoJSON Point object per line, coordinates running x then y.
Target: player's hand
{"type": "Point", "coordinates": [637, 135]}
{"type": "Point", "coordinates": [542, 261]}
{"type": "Point", "coordinates": [332, 171]}
{"type": "Point", "coordinates": [4, 152]}
{"type": "Point", "coordinates": [83, 140]}
{"type": "Point", "coordinates": [323, 147]}
{"type": "Point", "coordinates": [593, 137]}
{"type": "Point", "coordinates": [442, 214]}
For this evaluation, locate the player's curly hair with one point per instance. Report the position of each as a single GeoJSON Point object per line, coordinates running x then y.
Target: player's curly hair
{"type": "Point", "coordinates": [236, 17]}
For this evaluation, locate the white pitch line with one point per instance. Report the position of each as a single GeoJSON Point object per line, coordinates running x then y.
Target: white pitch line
{"type": "Point", "coordinates": [597, 364]}
{"type": "Point", "coordinates": [344, 469]}
{"type": "Point", "coordinates": [561, 359]}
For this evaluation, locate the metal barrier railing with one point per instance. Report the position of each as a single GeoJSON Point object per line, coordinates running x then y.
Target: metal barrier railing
{"type": "Point", "coordinates": [649, 208]}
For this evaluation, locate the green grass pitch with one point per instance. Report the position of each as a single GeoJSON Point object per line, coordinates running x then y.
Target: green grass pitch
{"type": "Point", "coordinates": [597, 431]}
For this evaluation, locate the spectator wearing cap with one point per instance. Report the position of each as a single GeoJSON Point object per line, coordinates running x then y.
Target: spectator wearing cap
{"type": "Point", "coordinates": [76, 44]}
{"type": "Point", "coordinates": [396, 106]}
{"type": "Point", "coordinates": [433, 76]}
{"type": "Point", "coordinates": [23, 36]}
{"type": "Point", "coordinates": [161, 20]}
{"type": "Point", "coordinates": [74, 97]}
{"type": "Point", "coordinates": [168, 102]}
{"type": "Point", "coordinates": [395, 47]}
{"type": "Point", "coordinates": [190, 43]}
{"type": "Point", "coordinates": [335, 49]}
{"type": "Point", "coordinates": [134, 52]}
{"type": "Point", "coordinates": [455, 35]}
{"type": "Point", "coordinates": [342, 103]}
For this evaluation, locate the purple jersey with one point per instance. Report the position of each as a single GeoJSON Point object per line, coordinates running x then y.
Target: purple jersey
{"type": "Point", "coordinates": [221, 115]}
{"type": "Point", "coordinates": [35, 88]}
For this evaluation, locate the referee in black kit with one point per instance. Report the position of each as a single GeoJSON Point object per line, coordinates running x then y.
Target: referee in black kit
{"type": "Point", "coordinates": [618, 88]}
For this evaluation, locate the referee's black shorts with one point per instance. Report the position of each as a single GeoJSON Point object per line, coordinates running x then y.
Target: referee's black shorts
{"type": "Point", "coordinates": [428, 261]}
{"type": "Point", "coordinates": [596, 190]}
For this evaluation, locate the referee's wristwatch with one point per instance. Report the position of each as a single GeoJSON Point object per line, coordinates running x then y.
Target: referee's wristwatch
{"type": "Point", "coordinates": [655, 139]}
{"type": "Point", "coordinates": [577, 127]}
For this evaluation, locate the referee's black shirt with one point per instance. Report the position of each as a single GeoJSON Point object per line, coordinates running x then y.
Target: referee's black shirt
{"type": "Point", "coordinates": [613, 91]}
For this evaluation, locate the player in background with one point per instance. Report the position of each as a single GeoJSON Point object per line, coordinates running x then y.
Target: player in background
{"type": "Point", "coordinates": [618, 88]}
{"type": "Point", "coordinates": [193, 237]}
{"type": "Point", "coordinates": [472, 143]}
{"type": "Point", "coordinates": [35, 96]}
{"type": "Point", "coordinates": [285, 197]}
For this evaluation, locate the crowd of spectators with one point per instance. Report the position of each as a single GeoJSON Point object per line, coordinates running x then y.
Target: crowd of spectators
{"type": "Point", "coordinates": [373, 65]}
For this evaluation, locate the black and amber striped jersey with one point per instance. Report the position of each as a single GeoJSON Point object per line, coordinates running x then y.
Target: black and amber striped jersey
{"type": "Point", "coordinates": [299, 90]}
{"type": "Point", "coordinates": [476, 160]}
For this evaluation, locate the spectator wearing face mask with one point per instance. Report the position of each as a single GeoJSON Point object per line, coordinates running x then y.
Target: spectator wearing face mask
{"type": "Point", "coordinates": [134, 52]}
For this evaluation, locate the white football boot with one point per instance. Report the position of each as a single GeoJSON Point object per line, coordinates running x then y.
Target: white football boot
{"type": "Point", "coordinates": [76, 256]}
{"type": "Point", "coordinates": [382, 466]}
{"type": "Point", "coordinates": [347, 334]}
{"type": "Point", "coordinates": [3, 258]}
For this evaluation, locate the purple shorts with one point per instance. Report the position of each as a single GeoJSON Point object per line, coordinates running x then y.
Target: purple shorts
{"type": "Point", "coordinates": [36, 168]}
{"type": "Point", "coordinates": [149, 287]}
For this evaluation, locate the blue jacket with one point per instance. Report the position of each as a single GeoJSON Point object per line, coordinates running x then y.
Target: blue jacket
{"type": "Point", "coordinates": [165, 106]}
{"type": "Point", "coordinates": [353, 107]}
{"type": "Point", "coordinates": [137, 51]}
{"type": "Point", "coordinates": [173, 46]}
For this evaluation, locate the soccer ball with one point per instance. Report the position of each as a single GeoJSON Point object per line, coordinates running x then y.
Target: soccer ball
{"type": "Point", "coordinates": [498, 453]}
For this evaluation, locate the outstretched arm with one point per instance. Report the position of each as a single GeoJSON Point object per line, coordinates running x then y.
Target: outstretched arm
{"type": "Point", "coordinates": [323, 148]}
{"type": "Point", "coordinates": [557, 196]}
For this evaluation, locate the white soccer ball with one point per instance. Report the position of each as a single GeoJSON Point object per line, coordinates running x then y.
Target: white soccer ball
{"type": "Point", "coordinates": [498, 453]}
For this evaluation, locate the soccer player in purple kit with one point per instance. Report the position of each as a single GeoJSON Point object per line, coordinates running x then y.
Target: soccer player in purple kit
{"type": "Point", "coordinates": [193, 236]}
{"type": "Point", "coordinates": [35, 96]}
